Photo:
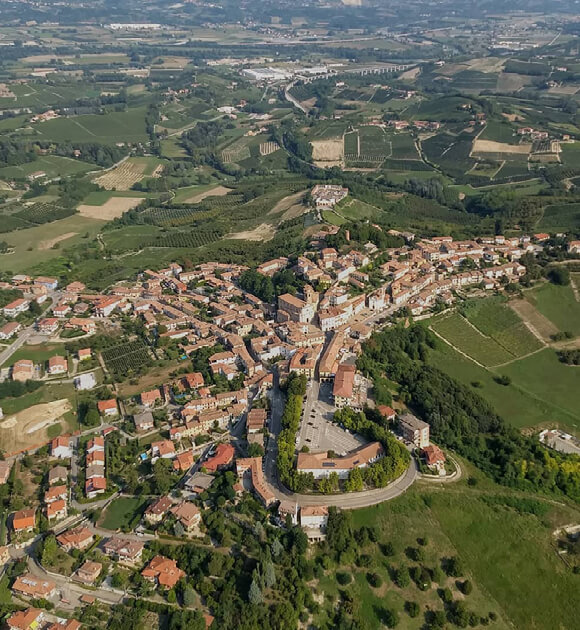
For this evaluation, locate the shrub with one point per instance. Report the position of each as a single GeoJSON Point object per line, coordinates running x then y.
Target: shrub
{"type": "Point", "coordinates": [402, 577]}
{"type": "Point", "coordinates": [375, 580]}
{"type": "Point", "coordinates": [343, 578]}
{"type": "Point", "coordinates": [390, 618]}
{"type": "Point", "coordinates": [388, 549]}
{"type": "Point", "coordinates": [412, 609]}
{"type": "Point", "coordinates": [466, 587]}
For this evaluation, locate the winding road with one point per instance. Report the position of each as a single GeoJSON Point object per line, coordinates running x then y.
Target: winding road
{"type": "Point", "coordinates": [346, 501]}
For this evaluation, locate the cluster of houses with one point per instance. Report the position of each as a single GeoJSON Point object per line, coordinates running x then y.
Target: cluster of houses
{"type": "Point", "coordinates": [95, 480]}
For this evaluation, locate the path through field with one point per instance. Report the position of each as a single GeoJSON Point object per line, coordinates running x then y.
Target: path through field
{"type": "Point", "coordinates": [539, 325]}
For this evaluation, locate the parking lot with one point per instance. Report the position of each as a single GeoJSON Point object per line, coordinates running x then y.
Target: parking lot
{"type": "Point", "coordinates": [317, 431]}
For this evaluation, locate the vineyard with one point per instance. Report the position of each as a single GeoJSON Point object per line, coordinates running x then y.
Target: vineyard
{"type": "Point", "coordinates": [46, 212]}
{"type": "Point", "coordinates": [127, 359]}
{"type": "Point", "coordinates": [266, 148]}
{"type": "Point", "coordinates": [236, 152]}
{"type": "Point", "coordinates": [187, 239]}
{"type": "Point", "coordinates": [367, 145]}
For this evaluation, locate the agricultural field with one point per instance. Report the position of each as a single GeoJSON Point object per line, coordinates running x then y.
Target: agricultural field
{"type": "Point", "coordinates": [110, 209]}
{"type": "Point", "coordinates": [546, 378]}
{"type": "Point", "coordinates": [494, 318]}
{"type": "Point", "coordinates": [497, 131]}
{"type": "Point", "coordinates": [127, 359]}
{"type": "Point", "coordinates": [108, 128]}
{"type": "Point", "coordinates": [559, 305]}
{"type": "Point", "coordinates": [129, 172]}
{"type": "Point", "coordinates": [570, 154]}
{"type": "Point", "coordinates": [39, 244]}
{"type": "Point", "coordinates": [451, 153]}
{"type": "Point", "coordinates": [372, 145]}
{"type": "Point", "coordinates": [123, 513]}
{"type": "Point", "coordinates": [51, 165]}
{"type": "Point", "coordinates": [459, 333]}
{"type": "Point", "coordinates": [560, 217]}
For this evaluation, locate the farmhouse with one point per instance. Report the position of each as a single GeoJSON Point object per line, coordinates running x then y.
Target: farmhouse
{"type": "Point", "coordinates": [24, 520]}
{"type": "Point", "coordinates": [123, 550]}
{"type": "Point", "coordinates": [328, 195]}
{"type": "Point", "coordinates": [9, 329]}
{"type": "Point", "coordinates": [60, 447]}
{"type": "Point", "coordinates": [57, 365]}
{"type": "Point", "coordinates": [143, 421]}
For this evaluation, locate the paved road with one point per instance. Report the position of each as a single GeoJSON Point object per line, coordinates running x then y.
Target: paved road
{"type": "Point", "coordinates": [346, 501]}
{"type": "Point", "coordinates": [25, 334]}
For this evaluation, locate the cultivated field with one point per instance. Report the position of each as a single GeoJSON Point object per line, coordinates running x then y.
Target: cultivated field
{"type": "Point", "coordinates": [217, 191]}
{"type": "Point", "coordinates": [331, 150]}
{"type": "Point", "coordinates": [111, 209]}
{"type": "Point", "coordinates": [489, 146]}
{"type": "Point", "coordinates": [131, 171]}
{"type": "Point", "coordinates": [29, 427]}
{"type": "Point", "coordinates": [537, 322]}
{"type": "Point", "coordinates": [463, 336]}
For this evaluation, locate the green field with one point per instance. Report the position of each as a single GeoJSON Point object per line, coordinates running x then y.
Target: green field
{"type": "Point", "coordinates": [123, 513]}
{"type": "Point", "coordinates": [508, 556]}
{"type": "Point", "coordinates": [35, 245]}
{"type": "Point", "coordinates": [39, 353]}
{"type": "Point", "coordinates": [561, 217]}
{"type": "Point", "coordinates": [571, 154]}
{"type": "Point", "coordinates": [499, 132]}
{"type": "Point", "coordinates": [106, 128]}
{"type": "Point", "coordinates": [546, 378]}
{"type": "Point", "coordinates": [495, 319]}
{"type": "Point", "coordinates": [52, 165]}
{"type": "Point", "coordinates": [100, 197]}
{"type": "Point", "coordinates": [457, 331]}
{"type": "Point", "coordinates": [559, 305]}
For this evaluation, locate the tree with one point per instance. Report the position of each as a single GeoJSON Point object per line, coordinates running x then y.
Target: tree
{"type": "Point", "coordinates": [255, 594]}
{"type": "Point", "coordinates": [559, 275]}
{"type": "Point", "coordinates": [466, 587]}
{"type": "Point", "coordinates": [119, 579]}
{"type": "Point", "coordinates": [269, 575]}
{"type": "Point", "coordinates": [402, 577]}
{"type": "Point", "coordinates": [49, 550]}
{"type": "Point", "coordinates": [412, 609]}
{"type": "Point", "coordinates": [454, 567]}
{"type": "Point", "coordinates": [189, 597]}
{"type": "Point", "coordinates": [390, 618]}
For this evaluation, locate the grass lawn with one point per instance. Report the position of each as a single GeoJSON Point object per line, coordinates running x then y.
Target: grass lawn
{"type": "Point", "coordinates": [34, 246]}
{"type": "Point", "coordinates": [123, 512]}
{"type": "Point", "coordinates": [507, 555]}
{"type": "Point", "coordinates": [559, 305]}
{"type": "Point", "coordinates": [332, 218]}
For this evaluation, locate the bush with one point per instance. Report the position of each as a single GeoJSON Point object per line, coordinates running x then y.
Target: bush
{"type": "Point", "coordinates": [388, 549]}
{"type": "Point", "coordinates": [466, 587]}
{"type": "Point", "coordinates": [454, 567]}
{"type": "Point", "coordinates": [343, 578]}
{"type": "Point", "coordinates": [412, 609]}
{"type": "Point", "coordinates": [402, 577]}
{"type": "Point", "coordinates": [390, 618]}
{"type": "Point", "coordinates": [364, 561]}
{"type": "Point", "coordinates": [375, 580]}
{"type": "Point", "coordinates": [446, 595]}
{"type": "Point", "coordinates": [503, 380]}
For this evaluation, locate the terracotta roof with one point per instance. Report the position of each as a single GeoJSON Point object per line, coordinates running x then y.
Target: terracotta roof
{"type": "Point", "coordinates": [224, 454]}
{"type": "Point", "coordinates": [24, 619]}
{"type": "Point", "coordinates": [23, 519]}
{"type": "Point", "coordinates": [164, 570]}
{"type": "Point", "coordinates": [314, 510]}
{"type": "Point", "coordinates": [354, 459]}
{"type": "Point", "coordinates": [105, 405]}
{"type": "Point", "coordinates": [344, 381]}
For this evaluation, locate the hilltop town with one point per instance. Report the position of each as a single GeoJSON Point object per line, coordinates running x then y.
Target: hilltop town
{"type": "Point", "coordinates": [150, 464]}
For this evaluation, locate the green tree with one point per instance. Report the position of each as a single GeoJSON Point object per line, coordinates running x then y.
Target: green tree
{"type": "Point", "coordinates": [49, 550]}
{"type": "Point", "coordinates": [255, 593]}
